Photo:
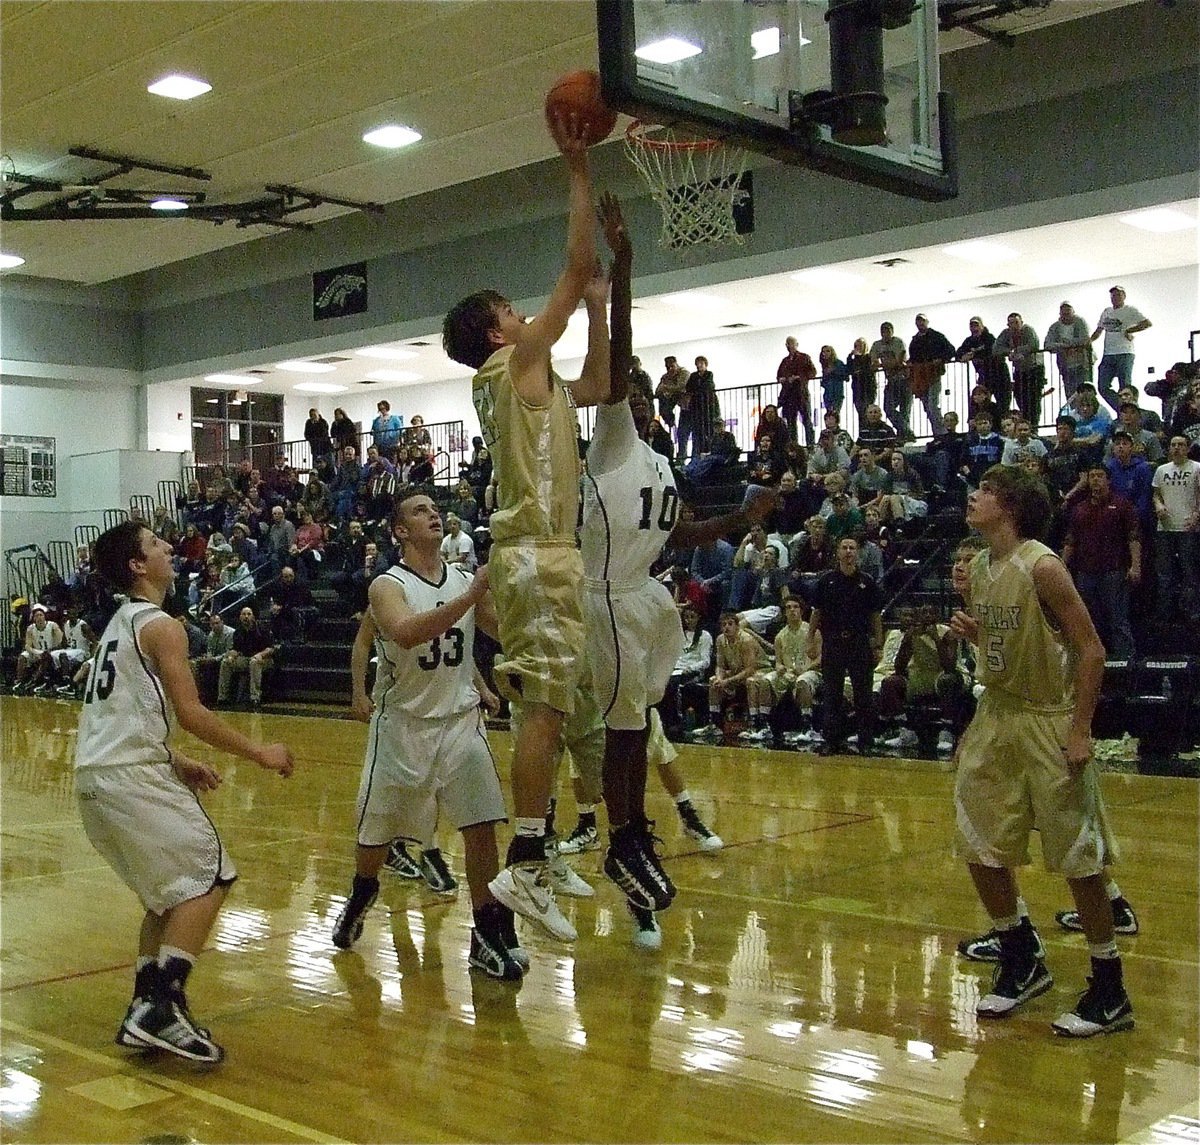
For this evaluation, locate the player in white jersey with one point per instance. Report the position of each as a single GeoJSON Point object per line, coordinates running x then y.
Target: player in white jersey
{"type": "Point", "coordinates": [427, 746]}
{"type": "Point", "coordinates": [137, 795]}
{"type": "Point", "coordinates": [630, 510]}
{"type": "Point", "coordinates": [79, 642]}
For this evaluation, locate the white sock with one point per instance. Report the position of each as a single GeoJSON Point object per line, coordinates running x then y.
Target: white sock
{"type": "Point", "coordinates": [1112, 890]}
{"type": "Point", "coordinates": [683, 797]}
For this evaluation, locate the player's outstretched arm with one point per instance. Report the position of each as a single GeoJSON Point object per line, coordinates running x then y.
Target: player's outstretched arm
{"type": "Point", "coordinates": [612, 222]}
{"type": "Point", "coordinates": [756, 506]}
{"type": "Point", "coordinates": [166, 644]}
{"type": "Point", "coordinates": [395, 618]}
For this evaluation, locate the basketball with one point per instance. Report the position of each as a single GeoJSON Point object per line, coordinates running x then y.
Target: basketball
{"type": "Point", "coordinates": [578, 94]}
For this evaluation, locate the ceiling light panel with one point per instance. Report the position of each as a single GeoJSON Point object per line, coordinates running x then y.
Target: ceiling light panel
{"type": "Point", "coordinates": [179, 87]}
{"type": "Point", "coordinates": [387, 353]}
{"type": "Point", "coordinates": [319, 388]}
{"type": "Point", "coordinates": [668, 51]}
{"type": "Point", "coordinates": [391, 135]}
{"type": "Point", "coordinates": [1159, 221]}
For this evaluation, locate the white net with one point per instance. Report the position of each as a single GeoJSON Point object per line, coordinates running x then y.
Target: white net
{"type": "Point", "coordinates": [696, 184]}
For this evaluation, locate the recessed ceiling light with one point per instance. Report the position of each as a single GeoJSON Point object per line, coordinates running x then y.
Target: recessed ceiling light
{"type": "Point", "coordinates": [393, 376]}
{"type": "Point", "coordinates": [693, 298]}
{"type": "Point", "coordinates": [1159, 220]}
{"type": "Point", "coordinates": [668, 51]}
{"type": "Point", "coordinates": [1056, 270]}
{"type": "Point", "coordinates": [232, 379]}
{"type": "Point", "coordinates": [391, 135]}
{"type": "Point", "coordinates": [765, 43]}
{"type": "Point", "coordinates": [179, 87]}
{"type": "Point", "coordinates": [8, 261]}
{"type": "Point", "coordinates": [320, 388]}
{"type": "Point", "coordinates": [980, 250]}
{"type": "Point", "coordinates": [168, 205]}
{"type": "Point", "coordinates": [305, 367]}
{"type": "Point", "coordinates": [828, 276]}
{"type": "Point", "coordinates": [387, 353]}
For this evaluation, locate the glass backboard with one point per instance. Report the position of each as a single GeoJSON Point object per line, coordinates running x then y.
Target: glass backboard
{"type": "Point", "coordinates": [848, 87]}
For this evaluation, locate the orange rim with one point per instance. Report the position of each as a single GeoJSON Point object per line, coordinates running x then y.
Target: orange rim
{"type": "Point", "coordinates": [634, 133]}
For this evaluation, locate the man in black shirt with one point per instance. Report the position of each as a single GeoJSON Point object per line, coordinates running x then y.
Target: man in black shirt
{"type": "Point", "coordinates": [847, 612]}
{"type": "Point", "coordinates": [252, 653]}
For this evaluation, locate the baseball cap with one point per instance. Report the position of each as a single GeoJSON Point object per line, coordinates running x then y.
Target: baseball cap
{"type": "Point", "coordinates": [37, 608]}
{"type": "Point", "coordinates": [922, 316]}
{"type": "Point", "coordinates": [1122, 433]}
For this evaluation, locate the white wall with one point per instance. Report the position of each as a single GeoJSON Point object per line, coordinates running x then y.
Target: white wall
{"type": "Point", "coordinates": [169, 417]}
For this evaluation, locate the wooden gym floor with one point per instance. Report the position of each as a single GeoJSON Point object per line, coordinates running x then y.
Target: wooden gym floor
{"type": "Point", "coordinates": [808, 987]}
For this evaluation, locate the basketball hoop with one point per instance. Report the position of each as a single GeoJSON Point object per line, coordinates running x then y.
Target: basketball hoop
{"type": "Point", "coordinates": [695, 182]}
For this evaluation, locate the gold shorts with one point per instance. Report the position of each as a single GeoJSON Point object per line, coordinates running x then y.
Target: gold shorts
{"type": "Point", "coordinates": [536, 590]}
{"type": "Point", "coordinates": [1013, 777]}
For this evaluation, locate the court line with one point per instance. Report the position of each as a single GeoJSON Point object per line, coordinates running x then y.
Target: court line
{"type": "Point", "coordinates": [304, 1132]}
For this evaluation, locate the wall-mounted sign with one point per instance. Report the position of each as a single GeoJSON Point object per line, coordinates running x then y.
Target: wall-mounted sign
{"type": "Point", "coordinates": [27, 466]}
{"type": "Point", "coordinates": [340, 291]}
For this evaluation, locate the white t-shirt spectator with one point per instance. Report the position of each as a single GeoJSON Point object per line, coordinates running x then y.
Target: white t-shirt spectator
{"type": "Point", "coordinates": [1180, 489]}
{"type": "Point", "coordinates": [459, 550]}
{"type": "Point", "coordinates": [1114, 321]}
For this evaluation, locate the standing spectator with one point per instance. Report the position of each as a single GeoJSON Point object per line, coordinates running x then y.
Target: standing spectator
{"type": "Point", "coordinates": [928, 352]}
{"type": "Point", "coordinates": [863, 387]}
{"type": "Point", "coordinates": [698, 411]}
{"type": "Point", "coordinates": [1103, 551]}
{"type": "Point", "coordinates": [1185, 420]}
{"type": "Point", "coordinates": [418, 435]}
{"type": "Point", "coordinates": [1068, 340]}
{"type": "Point", "coordinates": [1132, 477]}
{"type": "Point", "coordinates": [671, 388]}
{"type": "Point", "coordinates": [252, 653]}
{"type": "Point", "coordinates": [889, 354]}
{"type": "Point", "coordinates": [385, 430]}
{"type": "Point", "coordinates": [991, 372]}
{"type": "Point", "coordinates": [834, 373]}
{"type": "Point", "coordinates": [640, 381]}
{"type": "Point", "coordinates": [344, 433]}
{"type": "Point", "coordinates": [794, 373]}
{"type": "Point", "coordinates": [1118, 323]}
{"type": "Point", "coordinates": [847, 613]}
{"type": "Point", "coordinates": [1019, 344]}
{"type": "Point", "coordinates": [346, 484]}
{"type": "Point", "coordinates": [1176, 553]}
{"type": "Point", "coordinates": [316, 433]}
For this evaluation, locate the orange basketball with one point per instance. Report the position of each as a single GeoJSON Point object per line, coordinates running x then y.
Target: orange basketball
{"type": "Point", "coordinates": [578, 93]}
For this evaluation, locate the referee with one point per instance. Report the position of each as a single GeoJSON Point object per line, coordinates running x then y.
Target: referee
{"type": "Point", "coordinates": [847, 613]}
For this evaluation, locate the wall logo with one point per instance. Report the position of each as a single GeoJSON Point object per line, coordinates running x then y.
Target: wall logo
{"type": "Point", "coordinates": [340, 291]}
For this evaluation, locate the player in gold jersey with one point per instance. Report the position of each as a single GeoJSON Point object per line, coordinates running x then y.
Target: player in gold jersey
{"type": "Point", "coordinates": [1025, 760]}
{"type": "Point", "coordinates": [528, 421]}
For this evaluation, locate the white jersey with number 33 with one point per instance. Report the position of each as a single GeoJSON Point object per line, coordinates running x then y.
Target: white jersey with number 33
{"type": "Point", "coordinates": [434, 679]}
{"type": "Point", "coordinates": [127, 717]}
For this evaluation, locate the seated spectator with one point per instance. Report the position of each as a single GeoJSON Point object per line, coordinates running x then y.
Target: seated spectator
{"type": "Point", "coordinates": [1129, 419]}
{"type": "Point", "coordinates": [252, 653]}
{"type": "Point", "coordinates": [712, 566]}
{"type": "Point", "coordinates": [1065, 461]}
{"type": "Point", "coordinates": [244, 547]}
{"type": "Point", "coordinates": [770, 425]}
{"type": "Point", "coordinates": [205, 586]}
{"type": "Point", "coordinates": [1150, 420]}
{"type": "Point", "coordinates": [766, 601]}
{"type": "Point", "coordinates": [795, 456]}
{"type": "Point", "coordinates": [1185, 420]}
{"type": "Point", "coordinates": [418, 468]}
{"type": "Point", "coordinates": [218, 546]}
{"type": "Point", "coordinates": [981, 402]}
{"type": "Point", "coordinates": [811, 555]}
{"type": "Point", "coordinates": [373, 563]}
{"type": "Point", "coordinates": [345, 486]}
{"type": "Point", "coordinates": [905, 501]}
{"type": "Point", "coordinates": [279, 481]}
{"type": "Point", "coordinates": [845, 519]}
{"type": "Point", "coordinates": [317, 498]}
{"type": "Point", "coordinates": [767, 466]}
{"type": "Point", "coordinates": [41, 637]}
{"type": "Point", "coordinates": [479, 468]}
{"type": "Point", "coordinates": [56, 595]}
{"type": "Point", "coordinates": [205, 666]}
{"type": "Point", "coordinates": [739, 656]}
{"type": "Point", "coordinates": [796, 504]}
{"type": "Point", "coordinates": [827, 456]}
{"type": "Point", "coordinates": [1022, 444]}
{"type": "Point", "coordinates": [872, 543]}
{"type": "Point", "coordinates": [237, 578]}
{"type": "Point", "coordinates": [946, 454]}
{"type": "Point", "coordinates": [216, 482]}
{"type": "Point", "coordinates": [797, 674]}
{"type": "Point", "coordinates": [748, 562]}
{"type": "Point", "coordinates": [835, 484]}
{"type": "Point", "coordinates": [193, 505]}
{"type": "Point", "coordinates": [82, 571]}
{"type": "Point", "coordinates": [832, 420]}
{"type": "Point", "coordinates": [308, 552]}
{"type": "Point", "coordinates": [61, 664]}
{"type": "Point", "coordinates": [984, 447]}
{"type": "Point", "coordinates": [1092, 424]}
{"type": "Point", "coordinates": [876, 432]}
{"type": "Point", "coordinates": [464, 505]}
{"type": "Point", "coordinates": [281, 539]}
{"type": "Point", "coordinates": [291, 608]}
{"type": "Point", "coordinates": [870, 482]}
{"type": "Point", "coordinates": [457, 548]}
{"type": "Point", "coordinates": [692, 666]}
{"type": "Point", "coordinates": [925, 668]}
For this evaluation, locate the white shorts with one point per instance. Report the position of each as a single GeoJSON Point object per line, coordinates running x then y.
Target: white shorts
{"type": "Point", "coordinates": [151, 829]}
{"type": "Point", "coordinates": [760, 619]}
{"type": "Point", "coordinates": [63, 656]}
{"type": "Point", "coordinates": [634, 639]}
{"type": "Point", "coordinates": [414, 766]}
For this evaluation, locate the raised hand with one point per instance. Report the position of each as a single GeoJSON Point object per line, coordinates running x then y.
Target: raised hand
{"type": "Point", "coordinates": [612, 222]}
